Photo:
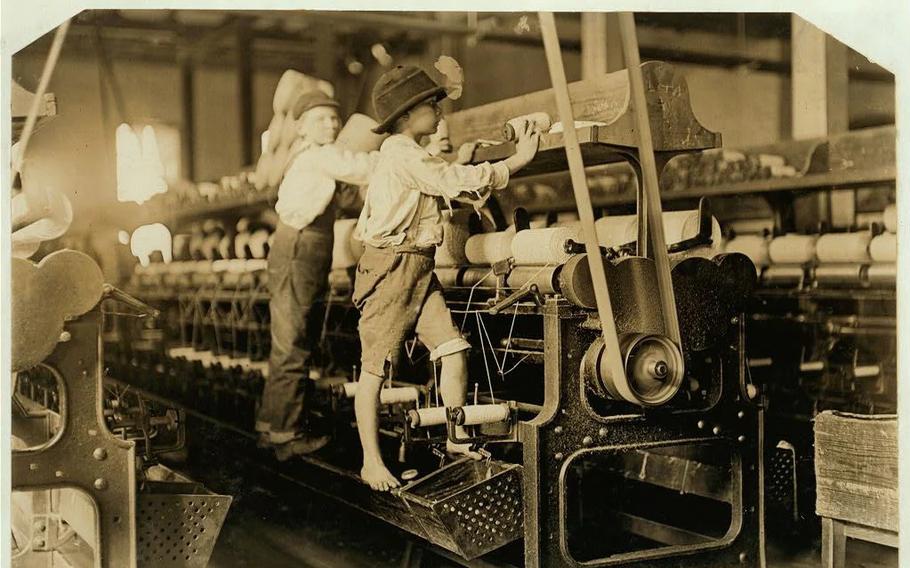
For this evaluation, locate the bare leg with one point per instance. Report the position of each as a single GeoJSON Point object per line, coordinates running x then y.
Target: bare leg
{"type": "Point", "coordinates": [453, 384]}
{"type": "Point", "coordinates": [366, 408]}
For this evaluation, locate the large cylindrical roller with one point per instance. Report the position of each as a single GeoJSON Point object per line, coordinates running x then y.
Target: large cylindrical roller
{"type": "Point", "coordinates": [475, 414]}
{"type": "Point", "coordinates": [633, 286]}
{"type": "Point", "coordinates": [474, 276]}
{"type": "Point", "coordinates": [393, 395]}
{"type": "Point", "coordinates": [423, 417]}
{"type": "Point", "coordinates": [543, 276]}
{"type": "Point", "coordinates": [654, 370]}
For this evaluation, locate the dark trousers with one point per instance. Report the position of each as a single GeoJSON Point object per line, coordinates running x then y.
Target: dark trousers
{"type": "Point", "coordinates": [299, 265]}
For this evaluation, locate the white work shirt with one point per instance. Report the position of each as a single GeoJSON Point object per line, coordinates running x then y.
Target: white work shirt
{"type": "Point", "coordinates": [309, 183]}
{"type": "Point", "coordinates": [403, 192]}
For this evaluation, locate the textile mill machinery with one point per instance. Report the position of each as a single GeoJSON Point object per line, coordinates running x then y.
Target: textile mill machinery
{"type": "Point", "coordinates": [623, 357]}
{"type": "Point", "coordinates": [650, 428]}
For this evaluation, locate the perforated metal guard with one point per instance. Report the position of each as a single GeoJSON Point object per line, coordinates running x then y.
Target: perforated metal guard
{"type": "Point", "coordinates": [781, 486]}
{"type": "Point", "coordinates": [487, 516]}
{"type": "Point", "coordinates": [178, 524]}
{"type": "Point", "coordinates": [470, 507]}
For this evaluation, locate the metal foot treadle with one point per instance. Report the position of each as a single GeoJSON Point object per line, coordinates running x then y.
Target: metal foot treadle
{"type": "Point", "coordinates": [178, 523]}
{"type": "Point", "coordinates": [467, 507]}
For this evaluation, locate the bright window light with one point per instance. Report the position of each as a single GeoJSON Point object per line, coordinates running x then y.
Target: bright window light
{"type": "Point", "coordinates": [149, 239]}
{"type": "Point", "coordinates": [148, 157]}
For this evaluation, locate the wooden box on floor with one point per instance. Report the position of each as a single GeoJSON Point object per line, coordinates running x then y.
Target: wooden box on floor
{"type": "Point", "coordinates": [856, 481]}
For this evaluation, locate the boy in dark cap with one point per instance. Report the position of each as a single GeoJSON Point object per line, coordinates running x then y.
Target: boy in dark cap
{"type": "Point", "coordinates": [396, 289]}
{"type": "Point", "coordinates": [299, 262]}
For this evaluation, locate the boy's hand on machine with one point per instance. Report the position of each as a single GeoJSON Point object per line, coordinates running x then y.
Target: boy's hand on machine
{"type": "Point", "coordinates": [525, 148]}
{"type": "Point", "coordinates": [528, 140]}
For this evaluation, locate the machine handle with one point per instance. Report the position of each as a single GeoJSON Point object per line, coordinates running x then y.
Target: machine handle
{"type": "Point", "coordinates": [704, 230]}
{"type": "Point", "coordinates": [514, 297]}
{"type": "Point", "coordinates": [114, 293]}
{"type": "Point", "coordinates": [572, 246]}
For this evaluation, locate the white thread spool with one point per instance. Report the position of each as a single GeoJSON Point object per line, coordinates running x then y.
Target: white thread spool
{"type": "Point", "coordinates": [542, 246]}
{"type": "Point", "coordinates": [850, 274]}
{"type": "Point", "coordinates": [286, 91]}
{"type": "Point", "coordinates": [393, 395]}
{"type": "Point", "coordinates": [263, 167]}
{"type": "Point", "coordinates": [448, 277]}
{"type": "Point", "coordinates": [613, 231]}
{"type": "Point", "coordinates": [866, 371]}
{"type": "Point", "coordinates": [753, 246]}
{"type": "Point", "coordinates": [792, 249]}
{"type": "Point", "coordinates": [770, 160]}
{"type": "Point", "coordinates": [427, 416]}
{"type": "Point", "coordinates": [256, 264]}
{"type": "Point", "coordinates": [489, 248]}
{"type": "Point", "coordinates": [678, 226]}
{"type": "Point", "coordinates": [472, 415]}
{"type": "Point", "coordinates": [288, 130]}
{"type": "Point", "coordinates": [544, 278]}
{"type": "Point", "coordinates": [883, 248]}
{"type": "Point", "coordinates": [273, 139]}
{"type": "Point", "coordinates": [241, 240]}
{"type": "Point", "coordinates": [478, 277]}
{"type": "Point", "coordinates": [843, 247]}
{"type": "Point", "coordinates": [541, 121]}
{"type": "Point", "coordinates": [237, 266]}
{"type": "Point", "coordinates": [345, 253]}
{"type": "Point", "coordinates": [226, 246]}
{"type": "Point", "coordinates": [455, 234]}
{"type": "Point", "coordinates": [257, 242]}
{"type": "Point", "coordinates": [357, 134]}
{"type": "Point", "coordinates": [783, 275]}
{"type": "Point", "coordinates": [889, 217]}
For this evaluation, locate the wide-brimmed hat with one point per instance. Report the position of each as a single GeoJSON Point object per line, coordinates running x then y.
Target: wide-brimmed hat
{"type": "Point", "coordinates": [399, 90]}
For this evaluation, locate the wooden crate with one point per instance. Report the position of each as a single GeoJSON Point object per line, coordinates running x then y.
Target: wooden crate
{"type": "Point", "coordinates": [856, 469]}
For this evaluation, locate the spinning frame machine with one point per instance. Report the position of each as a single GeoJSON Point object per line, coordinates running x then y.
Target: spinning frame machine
{"type": "Point", "coordinates": [629, 390]}
{"type": "Point", "coordinates": [661, 430]}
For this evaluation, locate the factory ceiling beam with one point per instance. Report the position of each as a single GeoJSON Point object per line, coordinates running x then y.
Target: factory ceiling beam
{"type": "Point", "coordinates": [770, 54]}
{"type": "Point", "coordinates": [692, 46]}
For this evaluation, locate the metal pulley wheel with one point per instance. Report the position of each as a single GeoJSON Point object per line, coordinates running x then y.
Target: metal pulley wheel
{"type": "Point", "coordinates": [653, 364]}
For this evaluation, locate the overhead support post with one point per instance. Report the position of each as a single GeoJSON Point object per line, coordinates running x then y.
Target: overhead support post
{"type": "Point", "coordinates": [582, 194]}
{"type": "Point", "coordinates": [650, 208]}
{"type": "Point", "coordinates": [245, 90]}
{"type": "Point", "coordinates": [819, 83]}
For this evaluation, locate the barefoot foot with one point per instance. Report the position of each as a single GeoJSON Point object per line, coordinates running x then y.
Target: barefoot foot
{"type": "Point", "coordinates": [378, 477]}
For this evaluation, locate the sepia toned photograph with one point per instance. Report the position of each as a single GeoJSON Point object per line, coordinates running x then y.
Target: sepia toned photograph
{"type": "Point", "coordinates": [416, 289]}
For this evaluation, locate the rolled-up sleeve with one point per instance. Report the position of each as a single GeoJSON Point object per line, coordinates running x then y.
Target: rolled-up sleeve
{"type": "Point", "coordinates": [435, 176]}
{"type": "Point", "coordinates": [344, 165]}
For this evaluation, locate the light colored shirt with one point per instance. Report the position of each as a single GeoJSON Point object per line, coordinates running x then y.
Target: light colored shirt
{"type": "Point", "coordinates": [402, 201]}
{"type": "Point", "coordinates": [309, 183]}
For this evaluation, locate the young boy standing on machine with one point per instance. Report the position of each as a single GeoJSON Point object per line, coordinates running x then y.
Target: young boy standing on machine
{"type": "Point", "coordinates": [396, 289]}
{"type": "Point", "coordinates": [299, 262]}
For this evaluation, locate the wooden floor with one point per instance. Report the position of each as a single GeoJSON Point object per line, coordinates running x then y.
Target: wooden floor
{"type": "Point", "coordinates": [265, 530]}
